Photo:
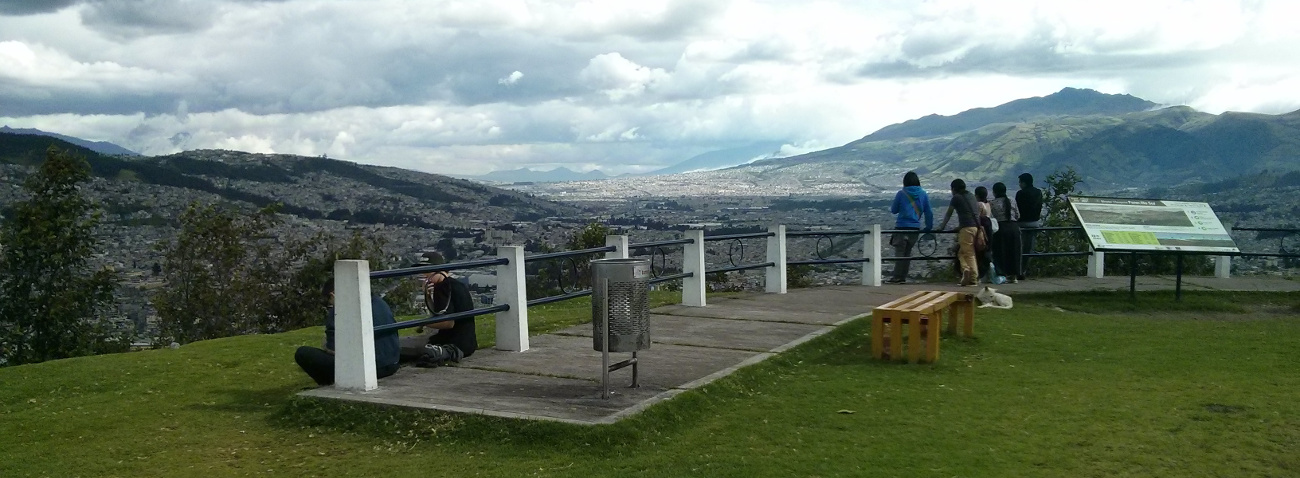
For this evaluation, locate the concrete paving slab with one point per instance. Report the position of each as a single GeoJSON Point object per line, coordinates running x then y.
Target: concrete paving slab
{"type": "Point", "coordinates": [717, 333]}
{"type": "Point", "coordinates": [504, 394]}
{"type": "Point", "coordinates": [662, 365]}
{"type": "Point", "coordinates": [748, 310]}
{"type": "Point", "coordinates": [559, 379]}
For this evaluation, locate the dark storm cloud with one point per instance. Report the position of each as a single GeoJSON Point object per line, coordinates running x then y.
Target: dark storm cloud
{"type": "Point", "coordinates": [134, 18]}
{"type": "Point", "coordinates": [32, 7]}
{"type": "Point", "coordinates": [1030, 59]}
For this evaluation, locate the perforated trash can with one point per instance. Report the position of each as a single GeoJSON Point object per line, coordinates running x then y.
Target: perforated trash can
{"type": "Point", "coordinates": [620, 293]}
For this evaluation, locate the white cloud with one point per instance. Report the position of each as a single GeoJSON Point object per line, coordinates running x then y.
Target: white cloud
{"type": "Point", "coordinates": [511, 78]}
{"type": "Point", "coordinates": [424, 84]}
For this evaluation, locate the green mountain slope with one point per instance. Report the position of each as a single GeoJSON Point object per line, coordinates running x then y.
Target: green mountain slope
{"type": "Point", "coordinates": [309, 187]}
{"type": "Point", "coordinates": [1136, 148]}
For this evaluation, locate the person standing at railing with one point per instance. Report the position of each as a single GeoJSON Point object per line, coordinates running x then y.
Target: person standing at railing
{"type": "Point", "coordinates": [319, 362]}
{"type": "Point", "coordinates": [1006, 242]}
{"type": "Point", "coordinates": [455, 339]}
{"type": "Point", "coordinates": [1029, 200]}
{"type": "Point", "coordinates": [910, 205]}
{"type": "Point", "coordinates": [967, 208]}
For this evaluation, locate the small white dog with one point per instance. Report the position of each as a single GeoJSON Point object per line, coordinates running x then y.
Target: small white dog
{"type": "Point", "coordinates": [989, 297]}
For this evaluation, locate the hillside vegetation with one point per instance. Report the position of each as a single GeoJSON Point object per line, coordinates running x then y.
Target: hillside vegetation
{"type": "Point", "coordinates": [1113, 141]}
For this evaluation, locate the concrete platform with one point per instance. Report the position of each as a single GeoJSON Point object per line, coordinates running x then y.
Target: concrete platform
{"type": "Point", "coordinates": [559, 378]}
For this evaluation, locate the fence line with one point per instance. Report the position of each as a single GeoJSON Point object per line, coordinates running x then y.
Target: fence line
{"type": "Point", "coordinates": [355, 330]}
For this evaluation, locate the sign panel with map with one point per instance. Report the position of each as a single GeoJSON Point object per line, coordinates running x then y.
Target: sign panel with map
{"type": "Point", "coordinates": [1151, 225]}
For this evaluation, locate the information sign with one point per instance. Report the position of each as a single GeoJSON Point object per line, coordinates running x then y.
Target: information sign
{"type": "Point", "coordinates": [1151, 225]}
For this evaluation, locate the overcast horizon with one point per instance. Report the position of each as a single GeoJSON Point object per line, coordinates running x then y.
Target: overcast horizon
{"type": "Point", "coordinates": [470, 87]}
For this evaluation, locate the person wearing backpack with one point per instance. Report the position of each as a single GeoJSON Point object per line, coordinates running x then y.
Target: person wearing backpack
{"type": "Point", "coordinates": [1006, 241]}
{"type": "Point", "coordinates": [909, 206]}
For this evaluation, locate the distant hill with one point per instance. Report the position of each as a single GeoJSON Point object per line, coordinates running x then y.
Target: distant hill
{"type": "Point", "coordinates": [1131, 146]}
{"type": "Point", "coordinates": [1067, 102]}
{"type": "Point", "coordinates": [724, 158]}
{"type": "Point", "coordinates": [101, 147]}
{"type": "Point", "coordinates": [525, 175]}
{"type": "Point", "coordinates": [309, 187]}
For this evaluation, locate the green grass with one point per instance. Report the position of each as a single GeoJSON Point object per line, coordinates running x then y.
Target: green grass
{"type": "Point", "coordinates": [1062, 385]}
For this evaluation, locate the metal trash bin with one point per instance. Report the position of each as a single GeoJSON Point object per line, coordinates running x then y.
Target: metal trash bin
{"type": "Point", "coordinates": [620, 297]}
{"type": "Point", "coordinates": [620, 313]}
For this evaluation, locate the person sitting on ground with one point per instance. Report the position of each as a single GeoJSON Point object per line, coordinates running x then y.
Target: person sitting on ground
{"type": "Point", "coordinates": [910, 204]}
{"type": "Point", "coordinates": [319, 362]}
{"type": "Point", "coordinates": [456, 339]}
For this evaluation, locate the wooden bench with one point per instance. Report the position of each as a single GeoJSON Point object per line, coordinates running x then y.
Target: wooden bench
{"type": "Point", "coordinates": [920, 311]}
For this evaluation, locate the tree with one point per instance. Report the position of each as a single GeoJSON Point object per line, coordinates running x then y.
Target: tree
{"type": "Point", "coordinates": [227, 274]}
{"type": "Point", "coordinates": [52, 305]}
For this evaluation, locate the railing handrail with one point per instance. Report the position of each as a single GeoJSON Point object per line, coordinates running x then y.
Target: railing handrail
{"type": "Point", "coordinates": [406, 324]}
{"type": "Point", "coordinates": [450, 266]}
{"type": "Point", "coordinates": [828, 233]}
{"type": "Point", "coordinates": [669, 242]}
{"type": "Point", "coordinates": [562, 254]}
{"type": "Point", "coordinates": [747, 235]}
{"type": "Point", "coordinates": [1266, 229]}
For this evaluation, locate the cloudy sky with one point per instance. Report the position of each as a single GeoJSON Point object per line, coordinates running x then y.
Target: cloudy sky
{"type": "Point", "coordinates": [478, 85]}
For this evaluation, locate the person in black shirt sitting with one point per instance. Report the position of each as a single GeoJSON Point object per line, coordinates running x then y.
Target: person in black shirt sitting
{"type": "Point", "coordinates": [455, 339]}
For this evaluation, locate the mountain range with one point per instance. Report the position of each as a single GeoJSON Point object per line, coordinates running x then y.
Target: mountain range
{"type": "Point", "coordinates": [1112, 141]}
{"type": "Point", "coordinates": [159, 187]}
{"type": "Point", "coordinates": [101, 147]}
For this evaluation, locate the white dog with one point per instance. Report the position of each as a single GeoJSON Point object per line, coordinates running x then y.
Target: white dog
{"type": "Point", "coordinates": [989, 297]}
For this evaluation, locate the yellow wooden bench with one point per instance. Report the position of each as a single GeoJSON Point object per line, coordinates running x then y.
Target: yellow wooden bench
{"type": "Point", "coordinates": [920, 311]}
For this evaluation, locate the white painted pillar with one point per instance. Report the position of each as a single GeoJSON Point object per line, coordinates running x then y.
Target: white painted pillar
{"type": "Point", "coordinates": [776, 274]}
{"type": "Point", "coordinates": [1097, 264]}
{"type": "Point", "coordinates": [512, 289]}
{"type": "Point", "coordinates": [621, 243]}
{"type": "Point", "coordinates": [354, 329]}
{"type": "Point", "coordinates": [1222, 266]}
{"type": "Point", "coordinates": [693, 262]}
{"type": "Point", "coordinates": [871, 251]}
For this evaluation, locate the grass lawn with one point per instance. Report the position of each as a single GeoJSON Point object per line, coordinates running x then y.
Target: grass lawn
{"type": "Point", "coordinates": [1063, 385]}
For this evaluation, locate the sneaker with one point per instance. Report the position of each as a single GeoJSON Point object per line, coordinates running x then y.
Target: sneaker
{"type": "Point", "coordinates": [439, 355]}
{"type": "Point", "coordinates": [968, 278]}
{"type": "Point", "coordinates": [894, 280]}
{"type": "Point", "coordinates": [1013, 280]}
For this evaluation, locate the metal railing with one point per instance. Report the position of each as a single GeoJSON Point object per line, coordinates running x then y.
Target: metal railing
{"type": "Point", "coordinates": [511, 312]}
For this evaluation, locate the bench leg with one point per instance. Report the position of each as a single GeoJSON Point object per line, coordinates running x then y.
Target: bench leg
{"type": "Point", "coordinates": [914, 337]}
{"type": "Point", "coordinates": [932, 338]}
{"type": "Point", "coordinates": [896, 339]}
{"type": "Point", "coordinates": [877, 335]}
{"type": "Point", "coordinates": [952, 311]}
{"type": "Point", "coordinates": [970, 318]}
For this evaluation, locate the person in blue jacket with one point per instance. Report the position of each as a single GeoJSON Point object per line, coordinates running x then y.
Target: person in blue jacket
{"type": "Point", "coordinates": [319, 362]}
{"type": "Point", "coordinates": [909, 206]}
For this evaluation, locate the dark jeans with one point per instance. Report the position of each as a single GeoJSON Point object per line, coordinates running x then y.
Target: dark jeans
{"type": "Point", "coordinates": [1006, 249]}
{"type": "Point", "coordinates": [319, 364]}
{"type": "Point", "coordinates": [903, 243]}
{"type": "Point", "coordinates": [1028, 234]}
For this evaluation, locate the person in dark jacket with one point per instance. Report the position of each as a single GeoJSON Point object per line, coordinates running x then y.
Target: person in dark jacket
{"type": "Point", "coordinates": [455, 339]}
{"type": "Point", "coordinates": [910, 205]}
{"type": "Point", "coordinates": [1029, 201]}
{"type": "Point", "coordinates": [967, 209]}
{"type": "Point", "coordinates": [1006, 242]}
{"type": "Point", "coordinates": [319, 362]}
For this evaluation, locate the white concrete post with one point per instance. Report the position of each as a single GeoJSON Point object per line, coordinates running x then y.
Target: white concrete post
{"type": "Point", "coordinates": [775, 278]}
{"type": "Point", "coordinates": [512, 289]}
{"type": "Point", "coordinates": [693, 262]}
{"type": "Point", "coordinates": [871, 251]}
{"type": "Point", "coordinates": [354, 329]}
{"type": "Point", "coordinates": [621, 243]}
{"type": "Point", "coordinates": [1222, 266]}
{"type": "Point", "coordinates": [1097, 264]}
